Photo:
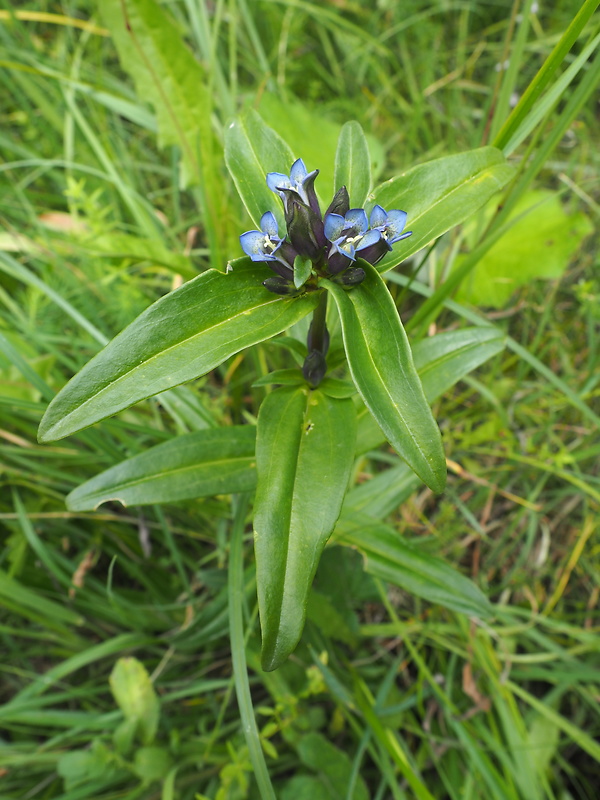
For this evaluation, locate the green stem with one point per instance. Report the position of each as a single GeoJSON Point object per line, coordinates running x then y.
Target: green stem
{"type": "Point", "coordinates": [318, 326]}
{"type": "Point", "coordinates": [238, 649]}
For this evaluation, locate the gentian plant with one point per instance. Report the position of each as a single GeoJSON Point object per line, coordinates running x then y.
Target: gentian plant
{"type": "Point", "coordinates": [300, 455]}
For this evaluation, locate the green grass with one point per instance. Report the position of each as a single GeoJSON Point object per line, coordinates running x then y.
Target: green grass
{"type": "Point", "coordinates": [388, 696]}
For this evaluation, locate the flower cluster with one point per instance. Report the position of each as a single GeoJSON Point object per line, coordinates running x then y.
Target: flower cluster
{"type": "Point", "coordinates": [331, 242]}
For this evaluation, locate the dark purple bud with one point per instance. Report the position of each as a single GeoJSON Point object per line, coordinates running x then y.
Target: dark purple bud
{"type": "Point", "coordinates": [284, 260]}
{"type": "Point", "coordinates": [309, 187]}
{"type": "Point", "coordinates": [314, 368]}
{"type": "Point", "coordinates": [374, 252]}
{"type": "Point", "coordinates": [352, 276]}
{"type": "Point", "coordinates": [305, 228]}
{"type": "Point", "coordinates": [279, 285]}
{"type": "Point", "coordinates": [337, 262]}
{"type": "Point", "coordinates": [340, 203]}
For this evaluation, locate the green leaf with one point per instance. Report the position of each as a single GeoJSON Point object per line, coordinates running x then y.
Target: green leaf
{"type": "Point", "coordinates": [90, 766]}
{"type": "Point", "coordinates": [284, 377]}
{"type": "Point", "coordinates": [252, 149]}
{"type": "Point", "coordinates": [440, 194]}
{"type": "Point", "coordinates": [334, 387]}
{"type": "Point", "coordinates": [292, 120]}
{"type": "Point", "coordinates": [180, 337]}
{"type": "Point", "coordinates": [152, 763]}
{"type": "Point", "coordinates": [302, 270]}
{"type": "Point", "coordinates": [540, 244]}
{"type": "Point", "coordinates": [304, 455]}
{"type": "Point", "coordinates": [200, 464]}
{"type": "Point", "coordinates": [134, 693]}
{"type": "Point", "coordinates": [125, 246]}
{"type": "Point", "coordinates": [167, 75]}
{"type": "Point", "coordinates": [441, 361]}
{"type": "Point", "coordinates": [353, 164]}
{"type": "Point", "coordinates": [382, 368]}
{"type": "Point", "coordinates": [332, 765]}
{"type": "Point", "coordinates": [390, 557]}
{"type": "Point", "coordinates": [444, 359]}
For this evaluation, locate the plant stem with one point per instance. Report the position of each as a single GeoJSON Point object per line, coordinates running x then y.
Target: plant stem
{"type": "Point", "coordinates": [318, 328]}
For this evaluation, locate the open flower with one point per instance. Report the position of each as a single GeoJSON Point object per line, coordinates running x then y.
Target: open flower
{"type": "Point", "coordinates": [385, 230]}
{"type": "Point", "coordinates": [346, 235]}
{"type": "Point", "coordinates": [299, 180]}
{"type": "Point", "coordinates": [263, 244]}
{"type": "Point", "coordinates": [267, 245]}
{"type": "Point", "coordinates": [390, 223]}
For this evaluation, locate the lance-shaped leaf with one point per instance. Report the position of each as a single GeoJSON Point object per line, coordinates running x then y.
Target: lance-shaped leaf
{"type": "Point", "coordinates": [252, 149]}
{"type": "Point", "coordinates": [440, 194]}
{"type": "Point", "coordinates": [383, 371]}
{"type": "Point", "coordinates": [441, 361]}
{"type": "Point", "coordinates": [304, 455]}
{"type": "Point", "coordinates": [199, 464]}
{"type": "Point", "coordinates": [390, 557]}
{"type": "Point", "coordinates": [183, 335]}
{"type": "Point", "coordinates": [168, 76]}
{"type": "Point", "coordinates": [353, 164]}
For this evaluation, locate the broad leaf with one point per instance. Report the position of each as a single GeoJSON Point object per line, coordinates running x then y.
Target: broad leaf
{"type": "Point", "coordinates": [440, 194]}
{"type": "Point", "coordinates": [540, 243]}
{"type": "Point", "coordinates": [200, 464]}
{"type": "Point", "coordinates": [292, 120]}
{"type": "Point", "coordinates": [390, 557]}
{"type": "Point", "coordinates": [382, 368]}
{"type": "Point", "coordinates": [123, 245]}
{"type": "Point", "coordinates": [304, 455]}
{"type": "Point", "coordinates": [167, 75]}
{"type": "Point", "coordinates": [441, 361]}
{"type": "Point", "coordinates": [180, 337]}
{"type": "Point", "coordinates": [353, 164]}
{"type": "Point", "coordinates": [134, 693]}
{"type": "Point", "coordinates": [252, 149]}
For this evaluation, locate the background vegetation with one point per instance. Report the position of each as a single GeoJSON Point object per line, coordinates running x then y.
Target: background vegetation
{"type": "Point", "coordinates": [117, 675]}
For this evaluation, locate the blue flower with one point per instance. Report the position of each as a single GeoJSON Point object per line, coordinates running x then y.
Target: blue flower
{"type": "Point", "coordinates": [349, 237]}
{"type": "Point", "coordinates": [263, 244]}
{"type": "Point", "coordinates": [299, 180]}
{"type": "Point", "coordinates": [390, 224]}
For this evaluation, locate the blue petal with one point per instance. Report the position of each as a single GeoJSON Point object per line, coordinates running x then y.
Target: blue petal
{"type": "Point", "coordinates": [396, 220]}
{"type": "Point", "coordinates": [347, 251]}
{"type": "Point", "coordinates": [334, 225]}
{"type": "Point", "coordinates": [371, 237]}
{"type": "Point", "coordinates": [268, 225]}
{"type": "Point", "coordinates": [356, 219]}
{"type": "Point", "coordinates": [253, 244]}
{"type": "Point", "coordinates": [298, 171]}
{"type": "Point", "coordinates": [378, 217]}
{"type": "Point", "coordinates": [277, 179]}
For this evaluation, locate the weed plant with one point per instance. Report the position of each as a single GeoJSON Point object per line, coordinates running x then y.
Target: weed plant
{"type": "Point", "coordinates": [130, 634]}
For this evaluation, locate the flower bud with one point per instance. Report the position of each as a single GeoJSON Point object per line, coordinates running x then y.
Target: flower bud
{"type": "Point", "coordinates": [352, 276]}
{"type": "Point", "coordinates": [340, 203]}
{"type": "Point", "coordinates": [374, 252]}
{"type": "Point", "coordinates": [305, 228]}
{"type": "Point", "coordinates": [279, 285]}
{"type": "Point", "coordinates": [314, 368]}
